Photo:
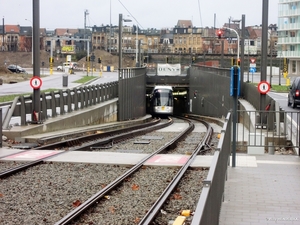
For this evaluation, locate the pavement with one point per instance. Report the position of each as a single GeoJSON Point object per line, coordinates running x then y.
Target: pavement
{"type": "Point", "coordinates": [262, 189]}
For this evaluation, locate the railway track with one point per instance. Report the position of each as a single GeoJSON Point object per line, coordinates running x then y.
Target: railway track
{"type": "Point", "coordinates": [154, 210]}
{"type": "Point", "coordinates": [105, 196]}
{"type": "Point", "coordinates": [88, 141]}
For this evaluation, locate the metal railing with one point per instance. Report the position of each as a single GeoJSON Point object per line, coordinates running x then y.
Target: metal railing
{"type": "Point", "coordinates": [209, 204]}
{"type": "Point", "coordinates": [268, 130]}
{"type": "Point", "coordinates": [56, 103]}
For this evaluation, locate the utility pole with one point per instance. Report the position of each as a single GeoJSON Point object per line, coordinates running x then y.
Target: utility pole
{"type": "Point", "coordinates": [86, 12]}
{"type": "Point", "coordinates": [3, 31]}
{"type": "Point", "coordinates": [110, 29]}
{"type": "Point", "coordinates": [264, 49]}
{"type": "Point", "coordinates": [242, 50]}
{"type": "Point", "coordinates": [136, 47]}
{"type": "Point", "coordinates": [36, 103]}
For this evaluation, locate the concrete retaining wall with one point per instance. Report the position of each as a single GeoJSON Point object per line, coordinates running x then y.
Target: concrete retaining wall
{"type": "Point", "coordinates": [100, 113]}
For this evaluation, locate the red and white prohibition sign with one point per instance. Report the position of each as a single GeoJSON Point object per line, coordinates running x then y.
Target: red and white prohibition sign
{"type": "Point", "coordinates": [35, 82]}
{"type": "Point", "coordinates": [263, 87]}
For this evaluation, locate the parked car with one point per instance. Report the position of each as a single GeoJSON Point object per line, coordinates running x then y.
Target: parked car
{"type": "Point", "coordinates": [294, 93]}
{"type": "Point", "coordinates": [72, 65]}
{"type": "Point", "coordinates": [16, 69]}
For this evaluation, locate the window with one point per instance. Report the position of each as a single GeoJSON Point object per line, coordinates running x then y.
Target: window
{"type": "Point", "coordinates": [292, 20]}
{"type": "Point", "coordinates": [292, 34]}
{"type": "Point", "coordinates": [293, 5]}
{"type": "Point", "coordinates": [292, 48]}
{"type": "Point", "coordinates": [293, 66]}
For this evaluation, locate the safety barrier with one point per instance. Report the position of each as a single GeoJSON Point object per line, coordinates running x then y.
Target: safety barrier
{"type": "Point", "coordinates": [268, 131]}
{"type": "Point", "coordinates": [209, 204]}
{"type": "Point", "coordinates": [56, 103]}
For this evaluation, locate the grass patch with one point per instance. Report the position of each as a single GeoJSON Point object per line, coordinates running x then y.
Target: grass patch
{"type": "Point", "coordinates": [9, 98]}
{"type": "Point", "coordinates": [278, 88]}
{"type": "Point", "coordinates": [85, 79]}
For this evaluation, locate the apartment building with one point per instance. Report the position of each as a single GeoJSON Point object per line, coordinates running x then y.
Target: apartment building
{"type": "Point", "coordinates": [289, 34]}
{"type": "Point", "coordinates": [184, 39]}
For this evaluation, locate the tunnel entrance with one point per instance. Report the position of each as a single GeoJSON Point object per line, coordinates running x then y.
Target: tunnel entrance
{"type": "Point", "coordinates": [180, 96]}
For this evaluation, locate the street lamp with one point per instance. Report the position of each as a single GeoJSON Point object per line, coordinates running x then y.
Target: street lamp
{"type": "Point", "coordinates": [120, 40]}
{"type": "Point", "coordinates": [31, 41]}
{"type": "Point", "coordinates": [136, 46]}
{"type": "Point", "coordinates": [238, 42]}
{"type": "Point", "coordinates": [271, 39]}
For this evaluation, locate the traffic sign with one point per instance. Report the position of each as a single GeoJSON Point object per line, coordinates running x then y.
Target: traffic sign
{"type": "Point", "coordinates": [35, 82]}
{"type": "Point", "coordinates": [93, 58]}
{"type": "Point", "coordinates": [263, 87]}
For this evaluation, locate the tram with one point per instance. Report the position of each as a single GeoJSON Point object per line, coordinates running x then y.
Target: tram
{"type": "Point", "coordinates": [161, 101]}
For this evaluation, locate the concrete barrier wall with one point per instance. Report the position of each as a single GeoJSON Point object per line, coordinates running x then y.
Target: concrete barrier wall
{"type": "Point", "coordinates": [97, 114]}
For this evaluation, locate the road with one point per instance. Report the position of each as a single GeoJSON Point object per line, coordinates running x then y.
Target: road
{"type": "Point", "coordinates": [281, 98]}
{"type": "Point", "coordinates": [55, 81]}
{"type": "Point", "coordinates": [276, 79]}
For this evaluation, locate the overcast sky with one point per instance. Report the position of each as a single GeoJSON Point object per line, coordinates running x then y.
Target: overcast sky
{"type": "Point", "coordinates": [147, 13]}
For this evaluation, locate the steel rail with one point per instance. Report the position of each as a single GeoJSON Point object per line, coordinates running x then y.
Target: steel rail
{"type": "Point", "coordinates": [78, 140]}
{"type": "Point", "coordinates": [155, 209]}
{"type": "Point", "coordinates": [111, 139]}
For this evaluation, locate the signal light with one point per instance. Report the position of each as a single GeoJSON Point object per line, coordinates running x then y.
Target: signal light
{"type": "Point", "coordinates": [99, 60]}
{"type": "Point", "coordinates": [193, 59]}
{"type": "Point", "coordinates": [239, 62]}
{"type": "Point", "coordinates": [233, 61]}
{"type": "Point", "coordinates": [195, 93]}
{"type": "Point", "coordinates": [219, 34]}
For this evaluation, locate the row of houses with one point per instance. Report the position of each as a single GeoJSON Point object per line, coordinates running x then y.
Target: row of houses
{"type": "Point", "coordinates": [184, 38]}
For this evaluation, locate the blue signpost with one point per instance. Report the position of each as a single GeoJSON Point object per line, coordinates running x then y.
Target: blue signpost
{"type": "Point", "coordinates": [235, 81]}
{"type": "Point", "coordinates": [235, 91]}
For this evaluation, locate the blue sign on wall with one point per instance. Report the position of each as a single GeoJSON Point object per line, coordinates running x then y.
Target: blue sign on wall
{"type": "Point", "coordinates": [235, 81]}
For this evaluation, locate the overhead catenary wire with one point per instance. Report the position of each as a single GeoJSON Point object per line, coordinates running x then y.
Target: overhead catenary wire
{"type": "Point", "coordinates": [131, 15]}
{"type": "Point", "coordinates": [200, 13]}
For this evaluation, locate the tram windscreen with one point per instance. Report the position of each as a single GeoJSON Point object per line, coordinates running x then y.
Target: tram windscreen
{"type": "Point", "coordinates": [163, 98]}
